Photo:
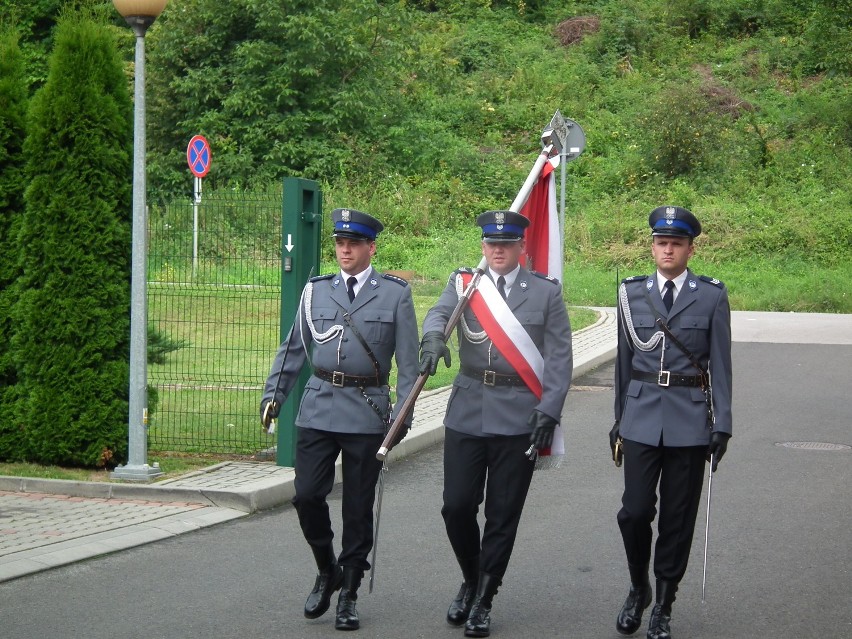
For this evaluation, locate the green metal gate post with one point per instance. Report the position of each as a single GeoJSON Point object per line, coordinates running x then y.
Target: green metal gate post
{"type": "Point", "coordinates": [300, 254]}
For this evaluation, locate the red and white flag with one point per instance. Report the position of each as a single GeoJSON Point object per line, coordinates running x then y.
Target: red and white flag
{"type": "Point", "coordinates": [543, 237]}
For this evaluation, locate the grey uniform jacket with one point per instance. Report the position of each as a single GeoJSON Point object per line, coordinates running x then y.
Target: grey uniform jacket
{"type": "Point", "coordinates": [383, 312]}
{"type": "Point", "coordinates": [701, 319]}
{"type": "Point", "coordinates": [478, 409]}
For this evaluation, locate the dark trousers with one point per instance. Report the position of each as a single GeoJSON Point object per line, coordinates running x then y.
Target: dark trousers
{"type": "Point", "coordinates": [316, 453]}
{"type": "Point", "coordinates": [680, 474]}
{"type": "Point", "coordinates": [493, 468]}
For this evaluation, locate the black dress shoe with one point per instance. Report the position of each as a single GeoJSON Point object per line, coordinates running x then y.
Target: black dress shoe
{"type": "Point", "coordinates": [658, 624]}
{"type": "Point", "coordinates": [347, 614]}
{"type": "Point", "coordinates": [630, 617]}
{"type": "Point", "coordinates": [478, 623]}
{"type": "Point", "coordinates": [460, 608]}
{"type": "Point", "coordinates": [319, 598]}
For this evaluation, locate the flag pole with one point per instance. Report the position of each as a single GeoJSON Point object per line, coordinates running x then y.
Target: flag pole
{"type": "Point", "coordinates": [532, 178]}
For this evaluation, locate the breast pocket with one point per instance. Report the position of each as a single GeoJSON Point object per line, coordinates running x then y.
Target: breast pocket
{"type": "Point", "coordinates": [533, 322]}
{"type": "Point", "coordinates": [324, 317]}
{"type": "Point", "coordinates": [694, 331]}
{"type": "Point", "coordinates": [645, 325]}
{"type": "Point", "coordinates": [379, 325]}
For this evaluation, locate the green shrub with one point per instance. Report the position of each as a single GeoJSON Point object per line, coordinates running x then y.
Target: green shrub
{"type": "Point", "coordinates": [682, 131]}
{"type": "Point", "coordinates": [72, 343]}
{"type": "Point", "coordinates": [13, 105]}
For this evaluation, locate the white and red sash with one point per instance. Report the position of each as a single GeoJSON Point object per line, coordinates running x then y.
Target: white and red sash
{"type": "Point", "coordinates": [516, 345]}
{"type": "Point", "coordinates": [506, 332]}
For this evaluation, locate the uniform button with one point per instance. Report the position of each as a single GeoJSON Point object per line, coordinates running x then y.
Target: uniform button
{"type": "Point", "coordinates": [345, 339]}
{"type": "Point", "coordinates": [343, 357]}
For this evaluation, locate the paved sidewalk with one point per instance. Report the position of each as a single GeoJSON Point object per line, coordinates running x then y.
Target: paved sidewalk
{"type": "Point", "coordinates": [46, 523]}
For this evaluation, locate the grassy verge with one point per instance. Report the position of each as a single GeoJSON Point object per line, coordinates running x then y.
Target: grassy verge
{"type": "Point", "coordinates": [171, 465]}
{"type": "Point", "coordinates": [176, 464]}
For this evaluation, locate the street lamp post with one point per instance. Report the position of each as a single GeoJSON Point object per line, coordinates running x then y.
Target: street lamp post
{"type": "Point", "coordinates": [140, 14]}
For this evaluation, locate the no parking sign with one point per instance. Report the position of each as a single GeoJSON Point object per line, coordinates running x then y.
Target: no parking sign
{"type": "Point", "coordinates": [198, 156]}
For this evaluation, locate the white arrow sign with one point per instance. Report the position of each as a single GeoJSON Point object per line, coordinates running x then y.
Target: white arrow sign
{"type": "Point", "coordinates": [289, 245]}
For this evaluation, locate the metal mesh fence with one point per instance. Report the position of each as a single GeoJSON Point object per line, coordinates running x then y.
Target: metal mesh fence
{"type": "Point", "coordinates": [214, 292]}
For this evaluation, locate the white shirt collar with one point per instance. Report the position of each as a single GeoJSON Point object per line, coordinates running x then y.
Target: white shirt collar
{"type": "Point", "coordinates": [509, 277]}
{"type": "Point", "coordinates": [360, 277]}
{"type": "Point", "coordinates": [678, 281]}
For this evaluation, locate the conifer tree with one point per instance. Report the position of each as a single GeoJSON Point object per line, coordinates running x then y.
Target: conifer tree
{"type": "Point", "coordinates": [72, 343]}
{"type": "Point", "coordinates": [13, 112]}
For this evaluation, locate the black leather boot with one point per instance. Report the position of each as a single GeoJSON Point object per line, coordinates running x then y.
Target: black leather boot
{"type": "Point", "coordinates": [460, 607]}
{"type": "Point", "coordinates": [328, 580]}
{"type": "Point", "coordinates": [661, 614]}
{"type": "Point", "coordinates": [638, 599]}
{"type": "Point", "coordinates": [347, 615]}
{"type": "Point", "coordinates": [478, 622]}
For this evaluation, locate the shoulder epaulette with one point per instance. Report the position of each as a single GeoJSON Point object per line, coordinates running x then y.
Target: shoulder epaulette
{"type": "Point", "coordinates": [711, 280]}
{"type": "Point", "coordinates": [543, 276]}
{"type": "Point", "coordinates": [394, 278]}
{"type": "Point", "coordinates": [634, 278]}
{"type": "Point", "coordinates": [318, 278]}
{"type": "Point", "coordinates": [462, 269]}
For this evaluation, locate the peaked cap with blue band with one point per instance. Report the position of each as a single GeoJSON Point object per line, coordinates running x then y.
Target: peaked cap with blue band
{"type": "Point", "coordinates": [355, 224]}
{"type": "Point", "coordinates": [502, 226]}
{"type": "Point", "coordinates": [675, 221]}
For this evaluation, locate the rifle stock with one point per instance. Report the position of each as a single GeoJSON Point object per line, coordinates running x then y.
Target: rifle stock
{"type": "Point", "coordinates": [420, 382]}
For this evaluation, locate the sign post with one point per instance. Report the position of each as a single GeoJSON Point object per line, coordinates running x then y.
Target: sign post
{"type": "Point", "coordinates": [570, 140]}
{"type": "Point", "coordinates": [198, 158]}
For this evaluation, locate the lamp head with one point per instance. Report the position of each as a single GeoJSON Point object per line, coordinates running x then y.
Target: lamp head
{"type": "Point", "coordinates": [140, 14]}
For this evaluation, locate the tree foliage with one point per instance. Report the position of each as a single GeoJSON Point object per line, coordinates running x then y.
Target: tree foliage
{"type": "Point", "coordinates": [277, 87]}
{"type": "Point", "coordinates": [72, 340]}
{"type": "Point", "coordinates": [13, 107]}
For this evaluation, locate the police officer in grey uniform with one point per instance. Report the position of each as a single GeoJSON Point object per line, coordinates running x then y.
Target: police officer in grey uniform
{"type": "Point", "coordinates": [492, 416]}
{"type": "Point", "coordinates": [672, 410]}
{"type": "Point", "coordinates": [349, 324]}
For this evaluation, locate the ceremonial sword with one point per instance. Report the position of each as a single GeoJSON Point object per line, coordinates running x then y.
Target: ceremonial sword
{"type": "Point", "coordinates": [707, 527]}
{"type": "Point", "coordinates": [380, 489]}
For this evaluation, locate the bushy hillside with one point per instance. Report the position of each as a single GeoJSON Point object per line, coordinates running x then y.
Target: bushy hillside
{"type": "Point", "coordinates": [428, 112]}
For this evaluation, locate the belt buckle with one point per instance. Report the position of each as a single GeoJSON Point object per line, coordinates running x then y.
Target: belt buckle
{"type": "Point", "coordinates": [489, 378]}
{"type": "Point", "coordinates": [663, 378]}
{"type": "Point", "coordinates": [337, 379]}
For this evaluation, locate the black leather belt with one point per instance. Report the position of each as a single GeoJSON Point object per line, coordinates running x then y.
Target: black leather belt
{"type": "Point", "coordinates": [490, 378]}
{"type": "Point", "coordinates": [666, 378]}
{"type": "Point", "coordinates": [345, 379]}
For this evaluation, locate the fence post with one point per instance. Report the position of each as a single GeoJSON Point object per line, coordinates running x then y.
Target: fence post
{"type": "Point", "coordinates": [301, 224]}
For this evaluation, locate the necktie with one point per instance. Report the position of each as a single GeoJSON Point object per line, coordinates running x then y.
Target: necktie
{"type": "Point", "coordinates": [501, 286]}
{"type": "Point", "coordinates": [668, 294]}
{"type": "Point", "coordinates": [350, 287]}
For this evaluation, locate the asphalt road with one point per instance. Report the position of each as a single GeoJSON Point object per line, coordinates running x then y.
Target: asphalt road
{"type": "Point", "coordinates": [780, 540]}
